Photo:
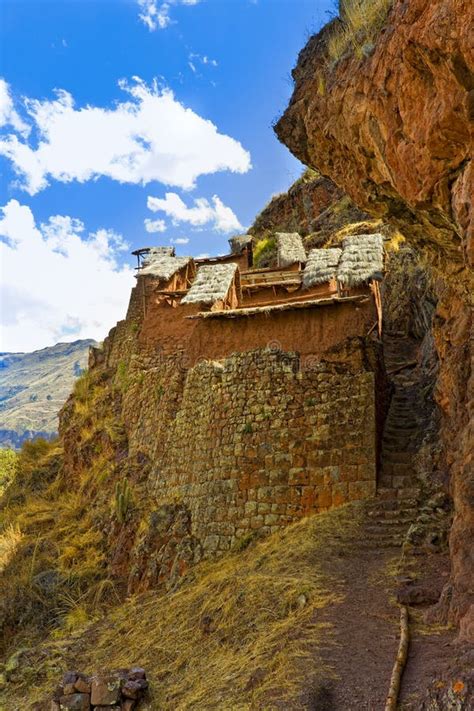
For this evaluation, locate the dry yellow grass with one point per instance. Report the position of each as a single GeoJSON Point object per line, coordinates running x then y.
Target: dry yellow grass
{"type": "Point", "coordinates": [10, 539]}
{"type": "Point", "coordinates": [357, 228]}
{"type": "Point", "coordinates": [242, 633]}
{"type": "Point", "coordinates": [52, 552]}
{"type": "Point", "coordinates": [361, 21]}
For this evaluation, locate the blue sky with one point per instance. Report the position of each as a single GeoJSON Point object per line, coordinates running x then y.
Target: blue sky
{"type": "Point", "coordinates": [126, 123]}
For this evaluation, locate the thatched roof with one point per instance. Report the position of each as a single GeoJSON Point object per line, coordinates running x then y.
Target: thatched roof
{"type": "Point", "coordinates": [238, 242]}
{"type": "Point", "coordinates": [155, 252]}
{"type": "Point", "coordinates": [361, 259]}
{"type": "Point", "coordinates": [321, 266]}
{"type": "Point", "coordinates": [211, 284]}
{"type": "Point", "coordinates": [289, 248]}
{"type": "Point", "coordinates": [163, 265]}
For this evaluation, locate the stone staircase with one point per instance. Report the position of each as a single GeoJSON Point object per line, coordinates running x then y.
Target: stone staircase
{"type": "Point", "coordinates": [390, 515]}
{"type": "Point", "coordinates": [388, 520]}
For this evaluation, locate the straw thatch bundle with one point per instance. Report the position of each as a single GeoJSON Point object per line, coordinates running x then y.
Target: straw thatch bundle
{"type": "Point", "coordinates": [155, 252]}
{"type": "Point", "coordinates": [321, 266]}
{"type": "Point", "coordinates": [212, 283]}
{"type": "Point", "coordinates": [164, 266]}
{"type": "Point", "coordinates": [361, 259]}
{"type": "Point", "coordinates": [238, 242]}
{"type": "Point", "coordinates": [289, 248]}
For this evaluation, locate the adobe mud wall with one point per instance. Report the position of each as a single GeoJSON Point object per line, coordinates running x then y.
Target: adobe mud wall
{"type": "Point", "coordinates": [167, 330]}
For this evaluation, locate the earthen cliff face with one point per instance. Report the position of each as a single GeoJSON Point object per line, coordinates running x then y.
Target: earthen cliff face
{"type": "Point", "coordinates": [313, 206]}
{"type": "Point", "coordinates": [393, 129]}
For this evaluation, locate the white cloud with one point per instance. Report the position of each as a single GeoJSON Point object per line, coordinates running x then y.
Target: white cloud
{"type": "Point", "coordinates": [194, 59]}
{"type": "Point", "coordinates": [221, 217]}
{"type": "Point", "coordinates": [181, 240]}
{"type": "Point", "coordinates": [155, 14]}
{"type": "Point", "coordinates": [8, 115]}
{"type": "Point", "coordinates": [58, 282]}
{"type": "Point", "coordinates": [154, 225]}
{"type": "Point", "coordinates": [151, 136]}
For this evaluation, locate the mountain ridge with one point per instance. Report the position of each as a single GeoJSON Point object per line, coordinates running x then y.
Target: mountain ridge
{"type": "Point", "coordinates": [33, 388]}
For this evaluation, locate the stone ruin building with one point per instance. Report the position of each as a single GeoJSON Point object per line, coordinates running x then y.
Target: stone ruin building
{"type": "Point", "coordinates": [256, 401]}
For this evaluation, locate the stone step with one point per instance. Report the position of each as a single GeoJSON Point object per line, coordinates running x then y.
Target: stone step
{"type": "Point", "coordinates": [402, 429]}
{"type": "Point", "coordinates": [376, 531]}
{"type": "Point", "coordinates": [389, 493]}
{"type": "Point", "coordinates": [389, 542]}
{"type": "Point", "coordinates": [399, 513]}
{"type": "Point", "coordinates": [397, 469]}
{"type": "Point", "coordinates": [395, 444]}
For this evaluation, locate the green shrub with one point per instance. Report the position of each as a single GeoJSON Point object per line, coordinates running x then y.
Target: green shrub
{"type": "Point", "coordinates": [8, 467]}
{"type": "Point", "coordinates": [264, 252]}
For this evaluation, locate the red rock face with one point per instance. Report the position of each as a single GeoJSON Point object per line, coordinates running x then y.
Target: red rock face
{"type": "Point", "coordinates": [393, 129]}
{"type": "Point", "coordinates": [298, 209]}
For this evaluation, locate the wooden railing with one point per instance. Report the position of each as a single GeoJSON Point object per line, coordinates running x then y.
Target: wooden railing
{"type": "Point", "coordinates": [260, 279]}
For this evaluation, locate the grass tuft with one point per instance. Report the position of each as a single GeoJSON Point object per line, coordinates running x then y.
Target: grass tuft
{"type": "Point", "coordinates": [360, 23]}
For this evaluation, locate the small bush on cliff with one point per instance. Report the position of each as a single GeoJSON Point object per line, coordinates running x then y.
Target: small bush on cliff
{"type": "Point", "coordinates": [360, 22]}
{"type": "Point", "coordinates": [264, 252]}
{"type": "Point", "coordinates": [123, 499]}
{"type": "Point", "coordinates": [122, 377]}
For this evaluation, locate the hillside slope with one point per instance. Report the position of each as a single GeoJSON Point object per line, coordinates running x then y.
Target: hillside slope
{"type": "Point", "coordinates": [276, 625]}
{"type": "Point", "coordinates": [33, 388]}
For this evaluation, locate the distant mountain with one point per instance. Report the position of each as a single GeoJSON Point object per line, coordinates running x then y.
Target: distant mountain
{"type": "Point", "coordinates": [33, 388]}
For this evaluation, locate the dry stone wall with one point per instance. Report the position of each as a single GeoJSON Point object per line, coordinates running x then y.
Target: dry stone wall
{"type": "Point", "coordinates": [252, 442]}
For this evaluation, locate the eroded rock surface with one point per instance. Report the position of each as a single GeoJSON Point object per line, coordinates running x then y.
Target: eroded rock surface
{"type": "Point", "coordinates": [393, 128]}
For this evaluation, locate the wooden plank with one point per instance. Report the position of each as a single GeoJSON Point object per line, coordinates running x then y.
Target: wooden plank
{"type": "Point", "coordinates": [268, 284]}
{"type": "Point", "coordinates": [288, 306]}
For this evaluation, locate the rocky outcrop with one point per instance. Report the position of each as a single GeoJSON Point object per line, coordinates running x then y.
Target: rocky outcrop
{"type": "Point", "coordinates": [313, 206]}
{"type": "Point", "coordinates": [298, 208]}
{"type": "Point", "coordinates": [122, 690]}
{"type": "Point", "coordinates": [393, 129]}
{"type": "Point", "coordinates": [391, 125]}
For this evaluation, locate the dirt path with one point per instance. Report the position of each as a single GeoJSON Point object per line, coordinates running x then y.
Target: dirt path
{"type": "Point", "coordinates": [365, 628]}
{"type": "Point", "coordinates": [364, 632]}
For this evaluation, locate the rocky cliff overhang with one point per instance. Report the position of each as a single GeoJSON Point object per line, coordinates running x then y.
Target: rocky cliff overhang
{"type": "Point", "coordinates": [390, 121]}
{"type": "Point", "coordinates": [393, 126]}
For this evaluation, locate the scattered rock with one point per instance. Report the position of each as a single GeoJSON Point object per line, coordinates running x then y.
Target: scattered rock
{"type": "Point", "coordinates": [136, 673]}
{"type": "Point", "coordinates": [69, 678]}
{"type": "Point", "coordinates": [83, 685]}
{"type": "Point", "coordinates": [105, 690]}
{"type": "Point", "coordinates": [129, 705]}
{"type": "Point", "coordinates": [121, 690]}
{"type": "Point", "coordinates": [75, 702]}
{"type": "Point", "coordinates": [134, 688]}
{"type": "Point", "coordinates": [417, 595]}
